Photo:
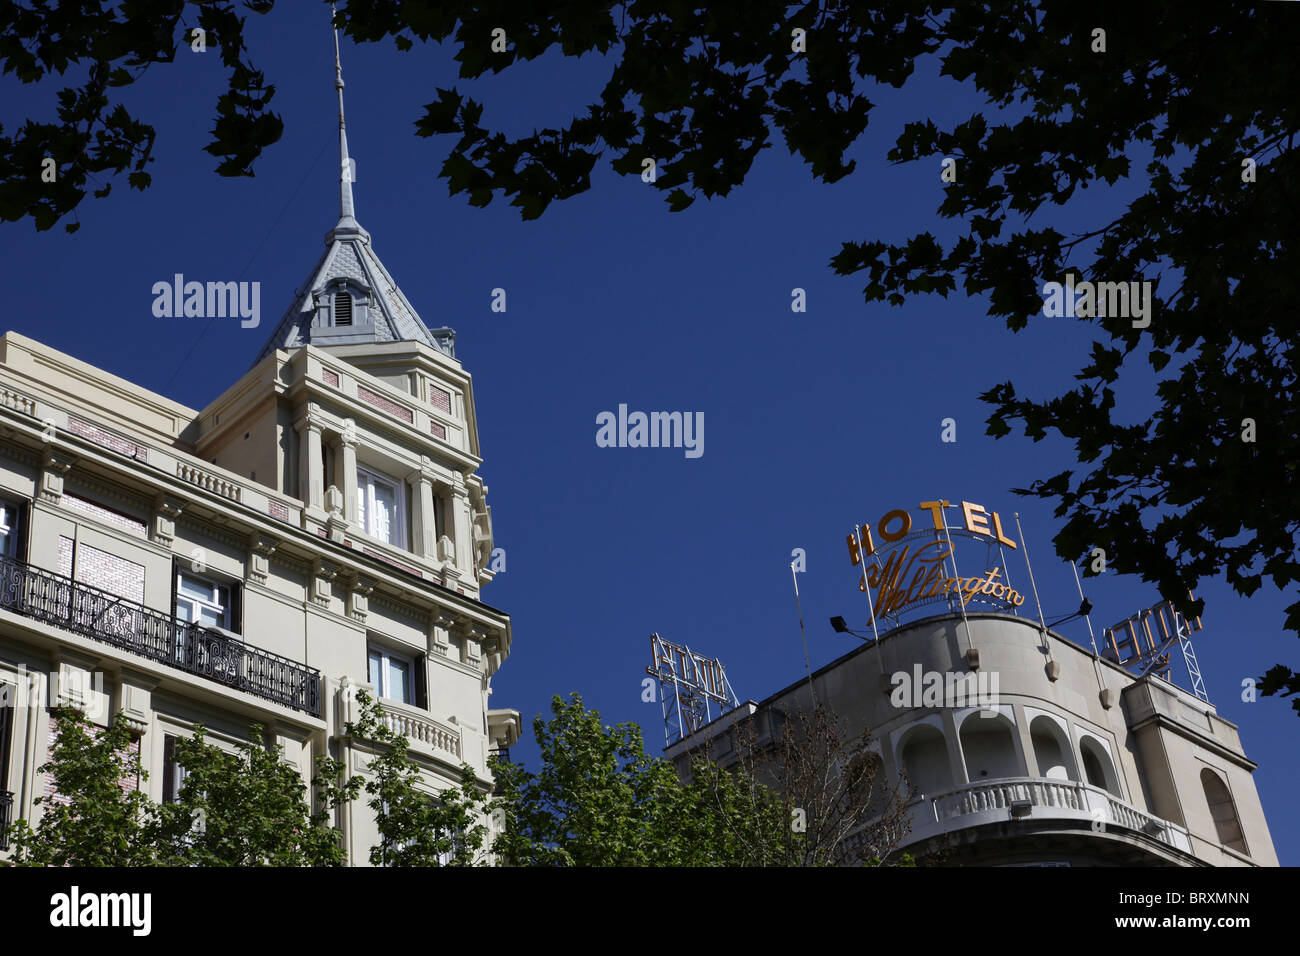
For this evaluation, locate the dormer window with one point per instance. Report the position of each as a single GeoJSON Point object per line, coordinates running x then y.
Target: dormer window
{"type": "Point", "coordinates": [342, 308]}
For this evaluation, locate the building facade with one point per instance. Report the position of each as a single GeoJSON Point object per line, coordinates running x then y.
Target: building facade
{"type": "Point", "coordinates": [1011, 744]}
{"type": "Point", "coordinates": [319, 527]}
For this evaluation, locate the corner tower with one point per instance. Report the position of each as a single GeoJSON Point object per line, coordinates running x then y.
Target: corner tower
{"type": "Point", "coordinates": [362, 419]}
{"type": "Point", "coordinates": [357, 408]}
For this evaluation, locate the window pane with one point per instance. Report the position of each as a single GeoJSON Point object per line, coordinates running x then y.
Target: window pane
{"type": "Point", "coordinates": [385, 511]}
{"type": "Point", "coordinates": [399, 680]}
{"type": "Point", "coordinates": [361, 503]}
{"type": "Point", "coordinates": [376, 672]}
{"type": "Point", "coordinates": [185, 611]}
{"type": "Point", "coordinates": [8, 540]}
{"type": "Point", "coordinates": [194, 588]}
{"type": "Point", "coordinates": [211, 616]}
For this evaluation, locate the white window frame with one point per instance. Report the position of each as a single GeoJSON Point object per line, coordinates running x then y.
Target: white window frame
{"type": "Point", "coordinates": [366, 478]}
{"type": "Point", "coordinates": [196, 604]}
{"type": "Point", "coordinates": [178, 771]}
{"type": "Point", "coordinates": [387, 654]}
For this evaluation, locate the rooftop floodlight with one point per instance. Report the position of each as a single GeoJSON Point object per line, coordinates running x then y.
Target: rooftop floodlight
{"type": "Point", "coordinates": [1084, 608]}
{"type": "Point", "coordinates": [840, 627]}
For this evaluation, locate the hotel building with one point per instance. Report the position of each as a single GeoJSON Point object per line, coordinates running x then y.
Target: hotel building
{"type": "Point", "coordinates": [1012, 744]}
{"type": "Point", "coordinates": [318, 527]}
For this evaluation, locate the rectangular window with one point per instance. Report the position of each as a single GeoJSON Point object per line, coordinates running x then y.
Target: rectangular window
{"type": "Point", "coordinates": [208, 604]}
{"type": "Point", "coordinates": [393, 675]}
{"type": "Point", "coordinates": [6, 726]}
{"type": "Point", "coordinates": [173, 773]}
{"type": "Point", "coordinates": [200, 601]}
{"type": "Point", "coordinates": [380, 507]}
{"type": "Point", "coordinates": [12, 514]}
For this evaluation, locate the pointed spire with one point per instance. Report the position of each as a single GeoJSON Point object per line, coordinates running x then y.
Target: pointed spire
{"type": "Point", "coordinates": [347, 224]}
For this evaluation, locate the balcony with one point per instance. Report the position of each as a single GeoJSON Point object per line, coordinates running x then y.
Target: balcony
{"type": "Point", "coordinates": [424, 735]}
{"type": "Point", "coordinates": [422, 732]}
{"type": "Point", "coordinates": [6, 812]}
{"type": "Point", "coordinates": [163, 638]}
{"type": "Point", "coordinates": [1037, 798]}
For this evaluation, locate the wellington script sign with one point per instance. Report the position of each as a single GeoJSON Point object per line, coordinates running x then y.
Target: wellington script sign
{"type": "Point", "coordinates": [910, 573]}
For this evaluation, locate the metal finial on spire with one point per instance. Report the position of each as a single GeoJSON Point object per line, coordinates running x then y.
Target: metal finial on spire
{"type": "Point", "coordinates": [346, 211]}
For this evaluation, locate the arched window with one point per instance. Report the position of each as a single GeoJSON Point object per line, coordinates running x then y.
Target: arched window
{"type": "Point", "coordinates": [989, 746]}
{"type": "Point", "coordinates": [342, 308]}
{"type": "Point", "coordinates": [1097, 768]}
{"type": "Point", "coordinates": [1224, 812]}
{"type": "Point", "coordinates": [1051, 750]}
{"type": "Point", "coordinates": [925, 761]}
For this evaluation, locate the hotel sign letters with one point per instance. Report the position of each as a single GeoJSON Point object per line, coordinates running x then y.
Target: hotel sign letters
{"type": "Point", "coordinates": [913, 572]}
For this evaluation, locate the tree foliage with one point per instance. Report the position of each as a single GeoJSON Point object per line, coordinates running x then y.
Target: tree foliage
{"type": "Point", "coordinates": [94, 817]}
{"type": "Point", "coordinates": [1189, 109]}
{"type": "Point", "coordinates": [240, 807]}
{"type": "Point", "coordinates": [600, 800]}
{"type": "Point", "coordinates": [248, 807]}
{"type": "Point", "coordinates": [1165, 113]}
{"type": "Point", "coordinates": [416, 827]}
{"type": "Point", "coordinates": [839, 805]}
{"type": "Point", "coordinates": [108, 46]}
{"type": "Point", "coordinates": [243, 805]}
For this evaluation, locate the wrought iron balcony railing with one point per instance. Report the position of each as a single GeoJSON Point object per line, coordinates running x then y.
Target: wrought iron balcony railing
{"type": "Point", "coordinates": [193, 648]}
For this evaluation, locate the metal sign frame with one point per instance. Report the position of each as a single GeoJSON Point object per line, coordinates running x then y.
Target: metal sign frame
{"type": "Point", "coordinates": [689, 685]}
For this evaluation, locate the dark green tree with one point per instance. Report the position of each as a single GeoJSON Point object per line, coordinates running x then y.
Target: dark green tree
{"type": "Point", "coordinates": [600, 800]}
{"type": "Point", "coordinates": [249, 808]}
{"type": "Point", "coordinates": [1185, 111]}
{"type": "Point", "coordinates": [97, 815]}
{"type": "Point", "coordinates": [47, 165]}
{"type": "Point", "coordinates": [417, 827]}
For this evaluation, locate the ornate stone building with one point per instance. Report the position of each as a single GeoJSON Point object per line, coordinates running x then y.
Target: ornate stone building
{"type": "Point", "coordinates": [319, 526]}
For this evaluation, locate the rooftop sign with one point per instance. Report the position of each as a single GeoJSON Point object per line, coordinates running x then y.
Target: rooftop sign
{"type": "Point", "coordinates": [912, 568]}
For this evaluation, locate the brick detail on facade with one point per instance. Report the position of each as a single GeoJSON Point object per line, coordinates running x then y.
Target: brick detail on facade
{"type": "Point", "coordinates": [439, 398]}
{"type": "Point", "coordinates": [438, 431]}
{"type": "Point", "coordinates": [106, 439]}
{"type": "Point", "coordinates": [329, 378]}
{"type": "Point", "coordinates": [125, 522]}
{"type": "Point", "coordinates": [384, 404]}
{"type": "Point", "coordinates": [127, 783]}
{"type": "Point", "coordinates": [65, 556]}
{"type": "Point", "coordinates": [110, 573]}
{"type": "Point", "coordinates": [277, 510]}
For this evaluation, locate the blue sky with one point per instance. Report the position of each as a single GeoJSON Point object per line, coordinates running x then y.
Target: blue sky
{"type": "Point", "coordinates": [812, 421]}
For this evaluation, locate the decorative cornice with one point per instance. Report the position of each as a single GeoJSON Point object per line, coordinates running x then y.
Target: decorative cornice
{"type": "Point", "coordinates": [414, 615]}
{"type": "Point", "coordinates": [55, 459]}
{"type": "Point", "coordinates": [212, 531]}
{"type": "Point", "coordinates": [291, 562]}
{"type": "Point", "coordinates": [311, 417]}
{"type": "Point", "coordinates": [262, 544]}
{"type": "Point", "coordinates": [81, 482]}
{"type": "Point", "coordinates": [323, 573]}
{"type": "Point", "coordinates": [20, 456]}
